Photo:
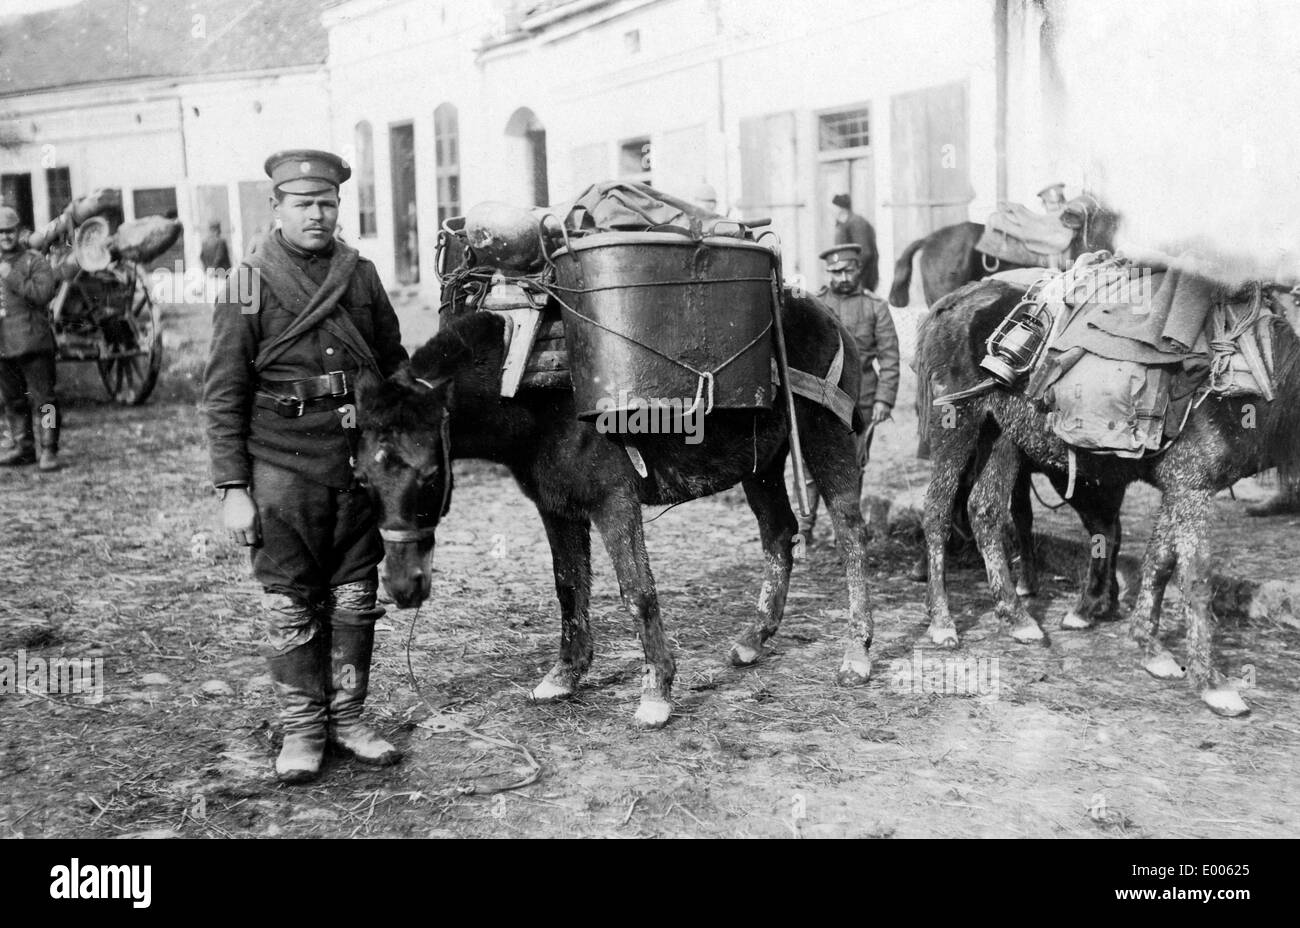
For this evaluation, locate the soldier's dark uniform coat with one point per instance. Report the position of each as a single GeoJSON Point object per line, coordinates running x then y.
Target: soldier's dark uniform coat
{"type": "Point", "coordinates": [24, 293]}
{"type": "Point", "coordinates": [318, 529]}
{"type": "Point", "coordinates": [868, 320]}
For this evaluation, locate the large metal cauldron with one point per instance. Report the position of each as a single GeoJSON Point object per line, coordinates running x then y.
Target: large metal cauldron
{"type": "Point", "coordinates": [654, 317]}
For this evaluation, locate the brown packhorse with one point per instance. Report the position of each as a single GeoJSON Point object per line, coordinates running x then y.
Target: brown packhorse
{"type": "Point", "coordinates": [446, 404]}
{"type": "Point", "coordinates": [949, 259]}
{"type": "Point", "coordinates": [1223, 441]}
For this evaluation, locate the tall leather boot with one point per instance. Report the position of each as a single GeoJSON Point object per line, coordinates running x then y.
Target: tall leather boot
{"type": "Point", "coordinates": [299, 679]}
{"type": "Point", "coordinates": [49, 459]}
{"type": "Point", "coordinates": [24, 449]}
{"type": "Point", "coordinates": [352, 642]}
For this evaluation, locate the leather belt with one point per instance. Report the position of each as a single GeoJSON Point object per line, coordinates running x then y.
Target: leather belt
{"type": "Point", "coordinates": [293, 398]}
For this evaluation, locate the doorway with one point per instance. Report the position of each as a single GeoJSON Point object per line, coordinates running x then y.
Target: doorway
{"type": "Point", "coordinates": [406, 236]}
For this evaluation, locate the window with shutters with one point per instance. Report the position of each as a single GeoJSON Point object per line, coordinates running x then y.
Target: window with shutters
{"type": "Point", "coordinates": [634, 159]}
{"type": "Point", "coordinates": [845, 129]}
{"type": "Point", "coordinates": [58, 187]}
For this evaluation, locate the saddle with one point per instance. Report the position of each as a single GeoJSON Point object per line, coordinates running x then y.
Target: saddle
{"type": "Point", "coordinates": [1019, 235]}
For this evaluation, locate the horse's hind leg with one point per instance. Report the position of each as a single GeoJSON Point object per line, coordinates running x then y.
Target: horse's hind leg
{"type": "Point", "coordinates": [776, 526]}
{"type": "Point", "coordinates": [1098, 507]}
{"type": "Point", "coordinates": [619, 521]}
{"type": "Point", "coordinates": [989, 503]}
{"type": "Point", "coordinates": [1144, 623]}
{"type": "Point", "coordinates": [1191, 535]}
{"type": "Point", "coordinates": [951, 448]}
{"type": "Point", "coordinates": [832, 456]}
{"type": "Point", "coordinates": [571, 559]}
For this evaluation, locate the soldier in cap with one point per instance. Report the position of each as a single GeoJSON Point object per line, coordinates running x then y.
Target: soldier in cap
{"type": "Point", "coordinates": [1053, 197]}
{"type": "Point", "coordinates": [852, 229]}
{"type": "Point", "coordinates": [867, 319]}
{"type": "Point", "coordinates": [279, 397]}
{"type": "Point", "coordinates": [27, 370]}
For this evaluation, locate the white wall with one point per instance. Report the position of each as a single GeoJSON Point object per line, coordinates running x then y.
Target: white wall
{"type": "Point", "coordinates": [146, 134]}
{"type": "Point", "coordinates": [703, 66]}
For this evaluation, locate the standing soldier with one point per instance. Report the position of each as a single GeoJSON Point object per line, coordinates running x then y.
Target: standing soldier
{"type": "Point", "coordinates": [214, 254]}
{"type": "Point", "coordinates": [27, 370]}
{"type": "Point", "coordinates": [867, 319]}
{"type": "Point", "coordinates": [852, 229]}
{"type": "Point", "coordinates": [279, 395]}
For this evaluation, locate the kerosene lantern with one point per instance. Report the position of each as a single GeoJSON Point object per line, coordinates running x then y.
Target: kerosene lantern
{"type": "Point", "coordinates": [1018, 341]}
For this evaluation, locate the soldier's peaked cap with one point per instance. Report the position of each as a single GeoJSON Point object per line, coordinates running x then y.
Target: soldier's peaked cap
{"type": "Point", "coordinates": [1058, 186]}
{"type": "Point", "coordinates": [840, 257]}
{"type": "Point", "coordinates": [305, 170]}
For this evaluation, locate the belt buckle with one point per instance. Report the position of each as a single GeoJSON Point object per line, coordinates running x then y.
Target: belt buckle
{"type": "Point", "coordinates": [290, 407]}
{"type": "Point", "coordinates": [338, 382]}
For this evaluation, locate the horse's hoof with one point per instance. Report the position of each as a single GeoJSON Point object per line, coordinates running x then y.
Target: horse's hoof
{"type": "Point", "coordinates": [943, 637]}
{"type": "Point", "coordinates": [549, 691]}
{"type": "Point", "coordinates": [1164, 667]}
{"type": "Point", "coordinates": [853, 673]}
{"type": "Point", "coordinates": [1028, 634]}
{"type": "Point", "coordinates": [1225, 701]}
{"type": "Point", "coordinates": [743, 655]}
{"type": "Point", "coordinates": [653, 714]}
{"type": "Point", "coordinates": [1075, 621]}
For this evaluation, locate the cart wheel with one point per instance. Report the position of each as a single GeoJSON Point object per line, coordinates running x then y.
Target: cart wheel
{"type": "Point", "coordinates": [130, 378]}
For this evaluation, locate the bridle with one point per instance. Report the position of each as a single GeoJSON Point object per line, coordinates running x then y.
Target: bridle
{"type": "Point", "coordinates": [409, 535]}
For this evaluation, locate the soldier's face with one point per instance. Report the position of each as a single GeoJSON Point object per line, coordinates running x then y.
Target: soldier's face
{"type": "Point", "coordinates": [844, 280]}
{"type": "Point", "coordinates": [308, 220]}
{"type": "Point", "coordinates": [9, 239]}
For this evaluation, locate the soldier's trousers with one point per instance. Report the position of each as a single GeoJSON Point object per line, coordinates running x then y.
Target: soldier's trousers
{"type": "Point", "coordinates": [27, 385]}
{"type": "Point", "coordinates": [319, 546]}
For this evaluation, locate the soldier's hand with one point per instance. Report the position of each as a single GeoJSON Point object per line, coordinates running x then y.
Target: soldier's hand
{"type": "Point", "coordinates": [240, 516]}
{"type": "Point", "coordinates": [880, 412]}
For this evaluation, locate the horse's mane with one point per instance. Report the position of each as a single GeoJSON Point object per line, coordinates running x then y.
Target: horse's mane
{"type": "Point", "coordinates": [416, 395]}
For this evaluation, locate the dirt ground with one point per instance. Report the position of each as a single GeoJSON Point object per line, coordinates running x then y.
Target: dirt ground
{"type": "Point", "coordinates": [119, 557]}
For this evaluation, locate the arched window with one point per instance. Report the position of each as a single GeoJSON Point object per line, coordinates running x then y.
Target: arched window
{"type": "Point", "coordinates": [446, 137]}
{"type": "Point", "coordinates": [528, 135]}
{"type": "Point", "coordinates": [365, 148]}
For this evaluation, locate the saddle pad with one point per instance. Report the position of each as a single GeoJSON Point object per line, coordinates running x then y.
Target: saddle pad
{"type": "Point", "coordinates": [1041, 233]}
{"type": "Point", "coordinates": [998, 244]}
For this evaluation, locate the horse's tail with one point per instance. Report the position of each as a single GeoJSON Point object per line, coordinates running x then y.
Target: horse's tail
{"type": "Point", "coordinates": [903, 274]}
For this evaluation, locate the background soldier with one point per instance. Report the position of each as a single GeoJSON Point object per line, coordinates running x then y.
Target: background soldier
{"type": "Point", "coordinates": [27, 370]}
{"type": "Point", "coordinates": [867, 319]}
{"type": "Point", "coordinates": [280, 405]}
{"type": "Point", "coordinates": [215, 253]}
{"type": "Point", "coordinates": [852, 229]}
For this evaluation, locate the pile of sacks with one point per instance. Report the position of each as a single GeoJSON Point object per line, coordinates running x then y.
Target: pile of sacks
{"type": "Point", "coordinates": [80, 238]}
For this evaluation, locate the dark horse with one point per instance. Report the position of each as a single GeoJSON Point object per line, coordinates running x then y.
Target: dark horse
{"type": "Point", "coordinates": [949, 259]}
{"type": "Point", "coordinates": [1224, 440]}
{"type": "Point", "coordinates": [446, 404]}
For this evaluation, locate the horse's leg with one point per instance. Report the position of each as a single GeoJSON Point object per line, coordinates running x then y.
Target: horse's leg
{"type": "Point", "coordinates": [776, 527]}
{"type": "Point", "coordinates": [1191, 535]}
{"type": "Point", "coordinates": [571, 559]}
{"type": "Point", "coordinates": [619, 521]}
{"type": "Point", "coordinates": [989, 500]}
{"type": "Point", "coordinates": [1098, 507]}
{"type": "Point", "coordinates": [1022, 518]}
{"type": "Point", "coordinates": [1144, 622]}
{"type": "Point", "coordinates": [833, 459]}
{"type": "Point", "coordinates": [950, 451]}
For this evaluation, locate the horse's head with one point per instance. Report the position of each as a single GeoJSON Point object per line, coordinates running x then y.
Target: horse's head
{"type": "Point", "coordinates": [404, 461]}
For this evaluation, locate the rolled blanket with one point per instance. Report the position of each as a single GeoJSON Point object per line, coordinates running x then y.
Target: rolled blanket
{"type": "Point", "coordinates": [145, 239]}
